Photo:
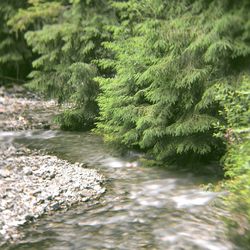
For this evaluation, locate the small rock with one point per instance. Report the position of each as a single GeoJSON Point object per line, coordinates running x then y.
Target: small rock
{"type": "Point", "coordinates": [27, 171]}
{"type": "Point", "coordinates": [55, 206]}
{"type": "Point", "coordinates": [29, 217]}
{"type": "Point", "coordinates": [50, 197]}
{"type": "Point", "coordinates": [36, 192]}
{"type": "Point", "coordinates": [52, 176]}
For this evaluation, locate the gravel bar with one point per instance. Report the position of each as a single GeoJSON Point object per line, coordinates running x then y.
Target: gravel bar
{"type": "Point", "coordinates": [22, 110]}
{"type": "Point", "coordinates": [32, 185]}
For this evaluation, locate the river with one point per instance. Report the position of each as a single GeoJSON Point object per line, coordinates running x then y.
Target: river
{"type": "Point", "coordinates": [143, 208]}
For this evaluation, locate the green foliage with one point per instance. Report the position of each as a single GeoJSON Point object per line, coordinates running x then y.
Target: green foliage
{"type": "Point", "coordinates": [239, 204]}
{"type": "Point", "coordinates": [236, 110]}
{"type": "Point", "coordinates": [36, 14]}
{"type": "Point", "coordinates": [67, 37]}
{"type": "Point", "coordinates": [14, 55]}
{"type": "Point", "coordinates": [168, 61]}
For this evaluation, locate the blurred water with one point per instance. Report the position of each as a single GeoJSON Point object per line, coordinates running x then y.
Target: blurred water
{"type": "Point", "coordinates": [143, 208]}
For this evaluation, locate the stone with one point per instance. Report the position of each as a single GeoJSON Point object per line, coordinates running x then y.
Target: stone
{"type": "Point", "coordinates": [52, 176]}
{"type": "Point", "coordinates": [29, 217]}
{"type": "Point", "coordinates": [55, 206]}
{"type": "Point", "coordinates": [27, 171]}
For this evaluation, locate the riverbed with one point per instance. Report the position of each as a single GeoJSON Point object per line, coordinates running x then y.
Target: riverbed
{"type": "Point", "coordinates": [143, 208]}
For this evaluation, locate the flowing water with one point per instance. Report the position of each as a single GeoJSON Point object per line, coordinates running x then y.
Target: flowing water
{"type": "Point", "coordinates": [143, 208]}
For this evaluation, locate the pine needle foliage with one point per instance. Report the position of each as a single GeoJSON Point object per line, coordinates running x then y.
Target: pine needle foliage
{"type": "Point", "coordinates": [15, 57]}
{"type": "Point", "coordinates": [168, 60]}
{"type": "Point", "coordinates": [68, 41]}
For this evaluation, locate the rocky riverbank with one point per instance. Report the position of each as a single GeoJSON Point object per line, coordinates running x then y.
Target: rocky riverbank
{"type": "Point", "coordinates": [22, 110]}
{"type": "Point", "coordinates": [33, 183]}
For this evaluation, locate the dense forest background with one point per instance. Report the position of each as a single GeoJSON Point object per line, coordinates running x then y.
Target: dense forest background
{"type": "Point", "coordinates": [171, 79]}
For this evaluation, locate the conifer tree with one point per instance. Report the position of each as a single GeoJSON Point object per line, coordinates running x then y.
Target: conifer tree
{"type": "Point", "coordinates": [67, 42]}
{"type": "Point", "coordinates": [15, 57]}
{"type": "Point", "coordinates": [169, 60]}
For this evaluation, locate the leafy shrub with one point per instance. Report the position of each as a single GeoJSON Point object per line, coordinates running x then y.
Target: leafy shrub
{"type": "Point", "coordinates": [237, 159]}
